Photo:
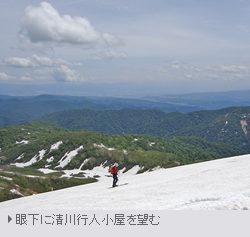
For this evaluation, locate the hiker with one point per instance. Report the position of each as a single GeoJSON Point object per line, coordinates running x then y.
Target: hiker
{"type": "Point", "coordinates": [113, 171]}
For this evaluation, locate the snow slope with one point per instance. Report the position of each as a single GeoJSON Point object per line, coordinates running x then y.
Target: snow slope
{"type": "Point", "coordinates": [222, 184]}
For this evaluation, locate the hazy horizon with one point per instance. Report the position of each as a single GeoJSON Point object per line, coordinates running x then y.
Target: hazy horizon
{"type": "Point", "coordinates": [101, 89]}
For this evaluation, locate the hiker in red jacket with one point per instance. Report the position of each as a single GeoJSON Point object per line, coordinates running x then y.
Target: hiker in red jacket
{"type": "Point", "coordinates": [114, 172]}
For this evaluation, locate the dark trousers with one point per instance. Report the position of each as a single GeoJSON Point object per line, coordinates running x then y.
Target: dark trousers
{"type": "Point", "coordinates": [115, 179]}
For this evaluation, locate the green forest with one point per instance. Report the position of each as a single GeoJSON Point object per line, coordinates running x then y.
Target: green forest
{"type": "Point", "coordinates": [216, 126]}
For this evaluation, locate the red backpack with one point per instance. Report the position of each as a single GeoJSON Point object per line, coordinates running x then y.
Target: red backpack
{"type": "Point", "coordinates": [113, 169]}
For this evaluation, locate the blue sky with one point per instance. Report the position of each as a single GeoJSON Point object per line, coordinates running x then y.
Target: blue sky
{"type": "Point", "coordinates": [170, 46]}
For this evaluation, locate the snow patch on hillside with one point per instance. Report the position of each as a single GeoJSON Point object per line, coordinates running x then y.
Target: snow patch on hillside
{"type": "Point", "coordinates": [7, 178]}
{"type": "Point", "coordinates": [47, 171]}
{"type": "Point", "coordinates": [14, 191]}
{"type": "Point", "coordinates": [102, 146]}
{"type": "Point", "coordinates": [99, 172]}
{"type": "Point", "coordinates": [83, 163]}
{"type": "Point", "coordinates": [34, 176]}
{"type": "Point", "coordinates": [132, 171]}
{"type": "Point", "coordinates": [49, 160]}
{"type": "Point", "coordinates": [156, 168]}
{"type": "Point", "coordinates": [22, 142]}
{"type": "Point", "coordinates": [55, 146]}
{"type": "Point", "coordinates": [68, 157]}
{"type": "Point", "coordinates": [35, 159]}
{"type": "Point", "coordinates": [20, 157]}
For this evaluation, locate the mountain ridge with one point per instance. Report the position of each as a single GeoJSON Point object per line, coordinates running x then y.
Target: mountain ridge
{"type": "Point", "coordinates": [48, 103]}
{"type": "Point", "coordinates": [223, 125]}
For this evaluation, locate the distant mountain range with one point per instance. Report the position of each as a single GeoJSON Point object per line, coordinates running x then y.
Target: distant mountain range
{"type": "Point", "coordinates": [207, 101]}
{"type": "Point", "coordinates": [19, 109]}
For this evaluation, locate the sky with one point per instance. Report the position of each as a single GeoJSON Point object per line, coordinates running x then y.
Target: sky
{"type": "Point", "coordinates": [127, 47]}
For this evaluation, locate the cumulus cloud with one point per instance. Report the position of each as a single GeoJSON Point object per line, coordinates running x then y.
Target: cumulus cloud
{"type": "Point", "coordinates": [18, 62]}
{"type": "Point", "coordinates": [5, 77]}
{"type": "Point", "coordinates": [65, 74]}
{"type": "Point", "coordinates": [44, 23]}
{"type": "Point", "coordinates": [36, 61]}
{"type": "Point", "coordinates": [43, 68]}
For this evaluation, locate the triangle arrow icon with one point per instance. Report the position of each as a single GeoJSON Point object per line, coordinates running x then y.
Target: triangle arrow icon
{"type": "Point", "coordinates": [9, 219]}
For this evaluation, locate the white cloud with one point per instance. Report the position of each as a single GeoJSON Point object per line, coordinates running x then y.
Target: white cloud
{"type": "Point", "coordinates": [43, 68]}
{"type": "Point", "coordinates": [42, 61]}
{"type": "Point", "coordinates": [180, 71]}
{"type": "Point", "coordinates": [25, 78]}
{"type": "Point", "coordinates": [5, 77]}
{"type": "Point", "coordinates": [175, 66]}
{"type": "Point", "coordinates": [19, 62]}
{"type": "Point", "coordinates": [65, 74]}
{"type": "Point", "coordinates": [232, 68]}
{"type": "Point", "coordinates": [111, 40]}
{"type": "Point", "coordinates": [189, 76]}
{"type": "Point", "coordinates": [110, 54]}
{"type": "Point", "coordinates": [36, 61]}
{"type": "Point", "coordinates": [44, 23]}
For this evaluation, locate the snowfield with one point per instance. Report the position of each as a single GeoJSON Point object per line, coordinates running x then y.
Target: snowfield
{"type": "Point", "coordinates": [222, 184]}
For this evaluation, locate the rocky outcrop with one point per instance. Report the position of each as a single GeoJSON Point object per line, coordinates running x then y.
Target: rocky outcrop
{"type": "Point", "coordinates": [244, 126]}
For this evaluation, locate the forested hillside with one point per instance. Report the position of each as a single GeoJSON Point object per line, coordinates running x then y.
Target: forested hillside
{"type": "Point", "coordinates": [111, 122]}
{"type": "Point", "coordinates": [226, 125]}
{"type": "Point", "coordinates": [27, 140]}
{"type": "Point", "coordinates": [10, 118]}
